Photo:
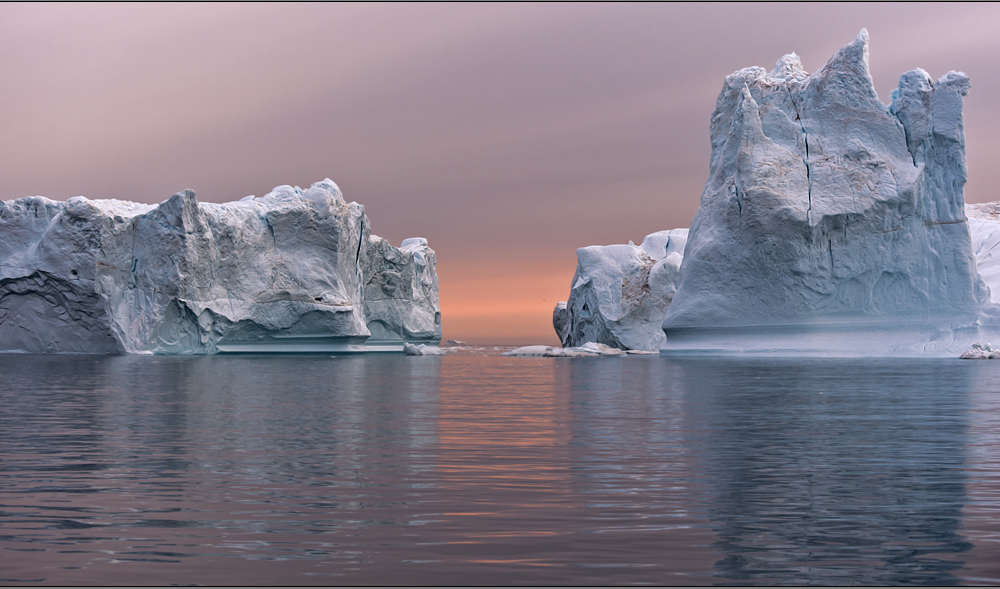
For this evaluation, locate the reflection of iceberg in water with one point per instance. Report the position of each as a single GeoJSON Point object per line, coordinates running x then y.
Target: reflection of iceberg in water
{"type": "Point", "coordinates": [605, 394]}
{"type": "Point", "coordinates": [298, 435]}
{"type": "Point", "coordinates": [633, 469]}
{"type": "Point", "coordinates": [832, 472]}
{"type": "Point", "coordinates": [317, 423]}
{"type": "Point", "coordinates": [981, 511]}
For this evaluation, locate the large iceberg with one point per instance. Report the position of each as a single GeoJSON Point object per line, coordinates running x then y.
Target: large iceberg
{"type": "Point", "coordinates": [829, 217]}
{"type": "Point", "coordinates": [296, 270]}
{"type": "Point", "coordinates": [830, 223]}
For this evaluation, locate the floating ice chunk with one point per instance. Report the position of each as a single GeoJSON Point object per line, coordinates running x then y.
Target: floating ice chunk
{"type": "Point", "coordinates": [530, 351]}
{"type": "Point", "coordinates": [587, 350]}
{"type": "Point", "coordinates": [981, 352]}
{"type": "Point", "coordinates": [598, 348]}
{"type": "Point", "coordinates": [422, 350]}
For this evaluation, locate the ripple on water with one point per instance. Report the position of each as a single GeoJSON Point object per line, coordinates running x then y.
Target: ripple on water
{"type": "Point", "coordinates": [478, 469]}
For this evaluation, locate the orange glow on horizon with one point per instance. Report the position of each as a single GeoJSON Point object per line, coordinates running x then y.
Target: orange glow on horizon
{"type": "Point", "coordinates": [508, 302]}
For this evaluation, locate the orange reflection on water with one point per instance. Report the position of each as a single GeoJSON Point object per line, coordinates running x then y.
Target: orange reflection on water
{"type": "Point", "coordinates": [508, 424]}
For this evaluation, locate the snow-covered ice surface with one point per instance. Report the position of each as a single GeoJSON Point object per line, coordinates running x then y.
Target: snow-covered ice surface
{"type": "Point", "coordinates": [830, 223]}
{"type": "Point", "coordinates": [296, 270]}
{"type": "Point", "coordinates": [620, 293]}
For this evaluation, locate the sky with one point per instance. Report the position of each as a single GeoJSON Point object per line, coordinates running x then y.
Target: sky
{"type": "Point", "coordinates": [508, 135]}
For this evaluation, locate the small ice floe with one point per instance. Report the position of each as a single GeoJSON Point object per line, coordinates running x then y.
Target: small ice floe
{"type": "Point", "coordinates": [981, 352]}
{"type": "Point", "coordinates": [422, 350]}
{"type": "Point", "coordinates": [456, 342]}
{"type": "Point", "coordinates": [587, 350]}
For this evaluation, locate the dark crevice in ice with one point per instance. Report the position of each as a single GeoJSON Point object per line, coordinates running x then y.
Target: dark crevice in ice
{"type": "Point", "coordinates": [830, 251]}
{"type": "Point", "coordinates": [739, 203]}
{"type": "Point", "coordinates": [805, 161]}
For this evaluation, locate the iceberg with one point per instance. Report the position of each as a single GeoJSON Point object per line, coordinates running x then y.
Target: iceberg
{"type": "Point", "coordinates": [293, 271]}
{"type": "Point", "coordinates": [830, 224]}
{"type": "Point", "coordinates": [830, 219]}
{"type": "Point", "coordinates": [984, 229]}
{"type": "Point", "coordinates": [620, 293]}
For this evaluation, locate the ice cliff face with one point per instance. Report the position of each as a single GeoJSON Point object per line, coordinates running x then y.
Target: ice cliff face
{"type": "Point", "coordinates": [401, 291]}
{"type": "Point", "coordinates": [825, 207]}
{"type": "Point", "coordinates": [984, 227]}
{"type": "Point", "coordinates": [285, 272]}
{"type": "Point", "coordinates": [620, 293]}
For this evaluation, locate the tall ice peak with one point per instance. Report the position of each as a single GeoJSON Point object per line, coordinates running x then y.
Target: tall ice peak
{"type": "Point", "coordinates": [789, 67]}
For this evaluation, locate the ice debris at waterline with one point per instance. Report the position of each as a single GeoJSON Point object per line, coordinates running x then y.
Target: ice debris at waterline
{"type": "Point", "coordinates": [981, 352]}
{"type": "Point", "coordinates": [422, 350]}
{"type": "Point", "coordinates": [587, 350]}
{"type": "Point", "coordinates": [293, 271]}
{"type": "Point", "coordinates": [830, 223]}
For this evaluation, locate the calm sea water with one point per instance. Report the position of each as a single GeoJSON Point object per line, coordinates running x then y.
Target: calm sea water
{"type": "Point", "coordinates": [480, 469]}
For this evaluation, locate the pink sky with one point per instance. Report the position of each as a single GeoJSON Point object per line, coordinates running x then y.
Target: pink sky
{"type": "Point", "coordinates": [508, 135]}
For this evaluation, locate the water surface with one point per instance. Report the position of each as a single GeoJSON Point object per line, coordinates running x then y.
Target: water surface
{"type": "Point", "coordinates": [480, 469]}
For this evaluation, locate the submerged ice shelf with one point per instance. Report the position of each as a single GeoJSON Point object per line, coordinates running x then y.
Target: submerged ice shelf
{"type": "Point", "coordinates": [830, 224]}
{"type": "Point", "coordinates": [293, 271]}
